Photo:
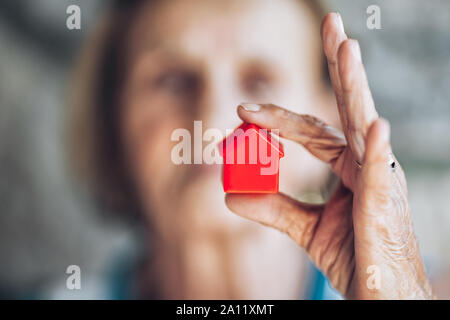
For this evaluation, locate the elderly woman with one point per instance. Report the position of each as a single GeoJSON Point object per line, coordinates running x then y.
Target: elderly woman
{"type": "Point", "coordinates": [156, 66]}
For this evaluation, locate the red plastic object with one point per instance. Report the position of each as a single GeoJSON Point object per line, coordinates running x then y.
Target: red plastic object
{"type": "Point", "coordinates": [251, 160]}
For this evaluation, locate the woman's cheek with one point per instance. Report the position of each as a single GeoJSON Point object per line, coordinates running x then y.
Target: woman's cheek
{"type": "Point", "coordinates": [147, 129]}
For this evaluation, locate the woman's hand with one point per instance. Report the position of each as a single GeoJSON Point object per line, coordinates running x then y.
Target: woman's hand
{"type": "Point", "coordinates": [362, 238]}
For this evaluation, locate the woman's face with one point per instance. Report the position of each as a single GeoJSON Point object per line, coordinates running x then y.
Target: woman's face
{"type": "Point", "coordinates": [196, 61]}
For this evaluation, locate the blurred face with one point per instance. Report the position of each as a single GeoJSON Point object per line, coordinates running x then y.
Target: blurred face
{"type": "Point", "coordinates": [197, 60]}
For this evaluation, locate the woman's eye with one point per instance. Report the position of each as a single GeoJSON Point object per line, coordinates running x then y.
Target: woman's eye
{"type": "Point", "coordinates": [178, 83]}
{"type": "Point", "coordinates": [256, 85]}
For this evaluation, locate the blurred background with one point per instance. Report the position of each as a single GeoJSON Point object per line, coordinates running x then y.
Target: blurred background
{"type": "Point", "coordinates": [48, 223]}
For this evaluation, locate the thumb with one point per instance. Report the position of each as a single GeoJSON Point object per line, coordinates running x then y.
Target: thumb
{"type": "Point", "coordinates": [296, 219]}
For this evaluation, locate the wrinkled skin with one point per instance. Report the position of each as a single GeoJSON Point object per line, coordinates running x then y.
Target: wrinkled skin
{"type": "Point", "coordinates": [365, 225]}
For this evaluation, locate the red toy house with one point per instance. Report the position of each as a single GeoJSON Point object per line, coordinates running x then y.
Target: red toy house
{"type": "Point", "coordinates": [251, 158]}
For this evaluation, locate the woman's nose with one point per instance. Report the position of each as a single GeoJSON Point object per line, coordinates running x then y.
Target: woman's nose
{"type": "Point", "coordinates": [220, 101]}
{"type": "Point", "coordinates": [222, 115]}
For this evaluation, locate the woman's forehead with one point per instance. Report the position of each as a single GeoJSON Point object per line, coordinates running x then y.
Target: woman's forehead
{"type": "Point", "coordinates": [210, 28]}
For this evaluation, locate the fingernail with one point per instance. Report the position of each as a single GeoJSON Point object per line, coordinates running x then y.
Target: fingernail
{"type": "Point", "coordinates": [252, 107]}
{"type": "Point", "coordinates": [356, 50]}
{"type": "Point", "coordinates": [340, 22]}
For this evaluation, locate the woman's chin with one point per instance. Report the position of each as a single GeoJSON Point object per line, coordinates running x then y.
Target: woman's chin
{"type": "Point", "coordinates": [204, 208]}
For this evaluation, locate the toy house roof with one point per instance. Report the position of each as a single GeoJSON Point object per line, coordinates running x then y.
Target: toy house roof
{"type": "Point", "coordinates": [261, 133]}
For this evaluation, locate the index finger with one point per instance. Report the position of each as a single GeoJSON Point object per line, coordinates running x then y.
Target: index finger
{"type": "Point", "coordinates": [319, 138]}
